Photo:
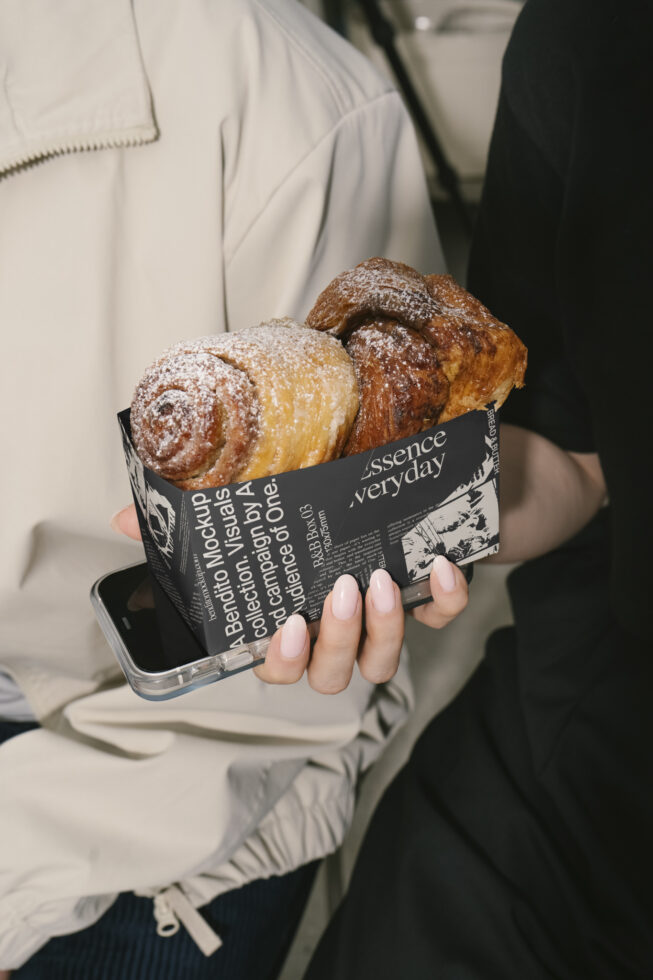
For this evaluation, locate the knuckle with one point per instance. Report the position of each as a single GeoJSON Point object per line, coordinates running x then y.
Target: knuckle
{"type": "Point", "coordinates": [276, 674]}
{"type": "Point", "coordinates": [327, 685]}
{"type": "Point", "coordinates": [378, 675]}
{"type": "Point", "coordinates": [386, 636]}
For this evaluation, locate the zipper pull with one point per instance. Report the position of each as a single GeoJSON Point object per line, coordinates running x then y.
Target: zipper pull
{"type": "Point", "coordinates": [167, 923]}
{"type": "Point", "coordinates": [172, 907]}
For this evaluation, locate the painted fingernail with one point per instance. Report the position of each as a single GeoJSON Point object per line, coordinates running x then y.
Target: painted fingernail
{"type": "Point", "coordinates": [444, 571]}
{"type": "Point", "coordinates": [382, 591]}
{"type": "Point", "coordinates": [345, 597]}
{"type": "Point", "coordinates": [293, 637]}
{"type": "Point", "coordinates": [114, 523]}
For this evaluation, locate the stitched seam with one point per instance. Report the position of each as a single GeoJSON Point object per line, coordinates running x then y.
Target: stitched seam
{"type": "Point", "coordinates": [338, 92]}
{"type": "Point", "coordinates": [330, 135]}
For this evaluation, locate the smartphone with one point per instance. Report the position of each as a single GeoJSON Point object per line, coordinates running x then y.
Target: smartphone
{"type": "Point", "coordinates": [159, 655]}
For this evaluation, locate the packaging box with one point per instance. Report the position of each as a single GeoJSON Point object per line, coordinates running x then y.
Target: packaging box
{"type": "Point", "coordinates": [236, 561]}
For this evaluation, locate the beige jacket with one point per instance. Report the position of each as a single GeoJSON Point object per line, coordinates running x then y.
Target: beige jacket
{"type": "Point", "coordinates": [171, 168]}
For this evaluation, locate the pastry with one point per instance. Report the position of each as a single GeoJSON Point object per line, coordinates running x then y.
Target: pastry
{"type": "Point", "coordinates": [238, 406]}
{"type": "Point", "coordinates": [385, 353]}
{"type": "Point", "coordinates": [402, 387]}
{"type": "Point", "coordinates": [475, 359]}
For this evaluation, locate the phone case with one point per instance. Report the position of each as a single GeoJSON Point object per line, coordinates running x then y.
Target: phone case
{"type": "Point", "coordinates": [158, 685]}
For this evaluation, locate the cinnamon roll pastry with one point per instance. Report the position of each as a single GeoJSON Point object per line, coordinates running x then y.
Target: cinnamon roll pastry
{"type": "Point", "coordinates": [235, 407]}
{"type": "Point", "coordinates": [451, 344]}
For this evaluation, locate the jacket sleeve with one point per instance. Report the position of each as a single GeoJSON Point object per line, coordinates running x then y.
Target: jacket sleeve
{"type": "Point", "coordinates": [359, 192]}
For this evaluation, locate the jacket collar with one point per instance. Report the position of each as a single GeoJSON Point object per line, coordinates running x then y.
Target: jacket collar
{"type": "Point", "coordinates": [71, 78]}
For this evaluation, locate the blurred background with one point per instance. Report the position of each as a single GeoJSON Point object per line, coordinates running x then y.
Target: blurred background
{"type": "Point", "coordinates": [444, 56]}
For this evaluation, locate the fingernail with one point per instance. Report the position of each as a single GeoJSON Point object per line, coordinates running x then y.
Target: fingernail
{"type": "Point", "coordinates": [345, 597]}
{"type": "Point", "coordinates": [115, 521]}
{"type": "Point", "coordinates": [293, 637]}
{"type": "Point", "coordinates": [382, 591]}
{"type": "Point", "coordinates": [444, 571]}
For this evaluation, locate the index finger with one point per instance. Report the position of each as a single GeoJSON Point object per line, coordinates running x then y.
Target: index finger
{"type": "Point", "coordinates": [125, 521]}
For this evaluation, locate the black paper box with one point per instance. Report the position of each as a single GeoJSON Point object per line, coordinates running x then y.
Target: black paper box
{"type": "Point", "coordinates": [236, 561]}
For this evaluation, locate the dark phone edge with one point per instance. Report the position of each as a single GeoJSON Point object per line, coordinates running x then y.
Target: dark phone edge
{"type": "Point", "coordinates": [156, 685]}
{"type": "Point", "coordinates": [162, 685]}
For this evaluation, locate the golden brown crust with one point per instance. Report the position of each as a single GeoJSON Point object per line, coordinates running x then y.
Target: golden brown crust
{"type": "Point", "coordinates": [481, 358]}
{"type": "Point", "coordinates": [418, 350]}
{"type": "Point", "coordinates": [402, 388]}
{"type": "Point", "coordinates": [194, 418]}
{"type": "Point", "coordinates": [265, 400]}
{"type": "Point", "coordinates": [375, 289]}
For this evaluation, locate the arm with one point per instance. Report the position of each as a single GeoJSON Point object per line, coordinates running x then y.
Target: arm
{"type": "Point", "coordinates": [547, 494]}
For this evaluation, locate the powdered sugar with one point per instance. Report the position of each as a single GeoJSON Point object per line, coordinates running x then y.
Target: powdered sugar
{"type": "Point", "coordinates": [234, 406]}
{"type": "Point", "coordinates": [374, 288]}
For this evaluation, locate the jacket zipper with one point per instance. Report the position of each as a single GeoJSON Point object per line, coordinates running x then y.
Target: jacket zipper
{"type": "Point", "coordinates": [105, 141]}
{"type": "Point", "coordinates": [172, 907]}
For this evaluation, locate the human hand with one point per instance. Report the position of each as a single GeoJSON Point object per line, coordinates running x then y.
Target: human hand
{"type": "Point", "coordinates": [125, 521]}
{"type": "Point", "coordinates": [343, 641]}
{"type": "Point", "coordinates": [5, 974]}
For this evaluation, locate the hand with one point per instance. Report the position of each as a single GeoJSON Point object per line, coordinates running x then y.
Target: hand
{"type": "Point", "coordinates": [5, 974]}
{"type": "Point", "coordinates": [125, 521]}
{"type": "Point", "coordinates": [342, 641]}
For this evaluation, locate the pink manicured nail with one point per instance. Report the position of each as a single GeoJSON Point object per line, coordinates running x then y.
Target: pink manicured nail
{"type": "Point", "coordinates": [114, 523]}
{"type": "Point", "coordinates": [293, 637]}
{"type": "Point", "coordinates": [382, 592]}
{"type": "Point", "coordinates": [345, 597]}
{"type": "Point", "coordinates": [444, 571]}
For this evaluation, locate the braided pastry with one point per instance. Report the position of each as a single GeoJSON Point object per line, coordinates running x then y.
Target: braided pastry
{"type": "Point", "coordinates": [238, 406]}
{"type": "Point", "coordinates": [424, 349]}
{"type": "Point", "coordinates": [391, 353]}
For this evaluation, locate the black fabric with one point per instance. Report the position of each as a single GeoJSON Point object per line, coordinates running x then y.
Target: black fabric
{"type": "Point", "coordinates": [517, 842]}
{"type": "Point", "coordinates": [563, 251]}
{"type": "Point", "coordinates": [256, 924]}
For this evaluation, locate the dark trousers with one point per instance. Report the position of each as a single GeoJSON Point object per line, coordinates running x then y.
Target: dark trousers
{"type": "Point", "coordinates": [256, 924]}
{"type": "Point", "coordinates": [517, 842]}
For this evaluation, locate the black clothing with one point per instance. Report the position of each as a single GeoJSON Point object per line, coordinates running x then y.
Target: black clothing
{"type": "Point", "coordinates": [563, 250]}
{"type": "Point", "coordinates": [517, 842]}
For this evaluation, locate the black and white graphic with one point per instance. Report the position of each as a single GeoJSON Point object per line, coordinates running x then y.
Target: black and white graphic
{"type": "Point", "coordinates": [154, 506]}
{"type": "Point", "coordinates": [237, 560]}
{"type": "Point", "coordinates": [465, 527]}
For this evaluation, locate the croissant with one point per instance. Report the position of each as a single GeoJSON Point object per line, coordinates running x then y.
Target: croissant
{"type": "Point", "coordinates": [265, 400]}
{"type": "Point", "coordinates": [424, 349]}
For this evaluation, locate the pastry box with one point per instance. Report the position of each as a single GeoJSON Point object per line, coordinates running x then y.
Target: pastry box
{"type": "Point", "coordinates": [228, 565]}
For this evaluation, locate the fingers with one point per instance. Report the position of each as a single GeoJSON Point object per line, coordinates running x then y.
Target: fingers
{"type": "Point", "coordinates": [450, 594]}
{"type": "Point", "coordinates": [287, 655]}
{"type": "Point", "coordinates": [336, 647]}
{"type": "Point", "coordinates": [126, 522]}
{"type": "Point", "coordinates": [330, 665]}
{"type": "Point", "coordinates": [384, 629]}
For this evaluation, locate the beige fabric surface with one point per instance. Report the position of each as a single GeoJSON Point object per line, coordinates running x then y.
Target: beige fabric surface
{"type": "Point", "coordinates": [172, 168]}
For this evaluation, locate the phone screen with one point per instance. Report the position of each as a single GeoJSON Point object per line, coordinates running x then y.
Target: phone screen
{"type": "Point", "coordinates": [151, 629]}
